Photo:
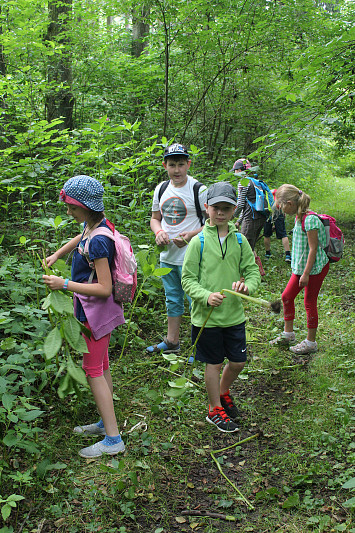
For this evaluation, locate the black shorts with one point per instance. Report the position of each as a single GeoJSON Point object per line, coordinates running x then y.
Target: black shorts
{"type": "Point", "coordinates": [280, 228]}
{"type": "Point", "coordinates": [216, 344]}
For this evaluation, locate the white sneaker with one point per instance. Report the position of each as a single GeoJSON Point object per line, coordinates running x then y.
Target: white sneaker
{"type": "Point", "coordinates": [97, 449]}
{"type": "Point", "coordinates": [303, 348]}
{"type": "Point", "coordinates": [283, 340]}
{"type": "Point", "coordinates": [90, 429]}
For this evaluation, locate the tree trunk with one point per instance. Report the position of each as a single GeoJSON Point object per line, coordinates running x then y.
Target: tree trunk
{"type": "Point", "coordinates": [3, 70]}
{"type": "Point", "coordinates": [60, 100]}
{"type": "Point", "coordinates": [140, 31]}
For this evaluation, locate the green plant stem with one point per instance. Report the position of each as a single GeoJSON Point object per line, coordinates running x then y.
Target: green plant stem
{"type": "Point", "coordinates": [258, 301]}
{"type": "Point", "coordinates": [133, 306]}
{"type": "Point", "coordinates": [178, 375]}
{"type": "Point", "coordinates": [199, 334]}
{"type": "Point", "coordinates": [247, 439]}
{"type": "Point", "coordinates": [255, 370]}
{"type": "Point", "coordinates": [245, 500]}
{"type": "Point", "coordinates": [147, 363]}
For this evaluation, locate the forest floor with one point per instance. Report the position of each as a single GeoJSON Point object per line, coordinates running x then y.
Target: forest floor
{"type": "Point", "coordinates": [286, 470]}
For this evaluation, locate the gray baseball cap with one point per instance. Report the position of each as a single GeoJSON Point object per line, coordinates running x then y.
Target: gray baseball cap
{"type": "Point", "coordinates": [221, 192]}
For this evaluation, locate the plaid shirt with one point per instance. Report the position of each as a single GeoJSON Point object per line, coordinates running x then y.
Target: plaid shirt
{"type": "Point", "coordinates": [300, 246]}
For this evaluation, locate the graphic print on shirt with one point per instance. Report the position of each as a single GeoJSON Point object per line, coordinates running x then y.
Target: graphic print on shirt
{"type": "Point", "coordinates": [174, 211]}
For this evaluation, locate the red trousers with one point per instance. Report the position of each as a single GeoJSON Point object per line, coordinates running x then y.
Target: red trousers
{"type": "Point", "coordinates": [311, 292]}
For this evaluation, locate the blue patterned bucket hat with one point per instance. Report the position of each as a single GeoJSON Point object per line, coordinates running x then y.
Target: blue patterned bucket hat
{"type": "Point", "coordinates": [85, 191]}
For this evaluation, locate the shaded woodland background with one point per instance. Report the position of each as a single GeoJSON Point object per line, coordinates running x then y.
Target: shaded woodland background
{"type": "Point", "coordinates": [101, 86]}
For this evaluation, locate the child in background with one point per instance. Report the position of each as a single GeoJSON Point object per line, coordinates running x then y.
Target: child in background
{"type": "Point", "coordinates": [83, 196]}
{"type": "Point", "coordinates": [277, 221]}
{"type": "Point", "coordinates": [250, 221]}
{"type": "Point", "coordinates": [174, 222]}
{"type": "Point", "coordinates": [220, 265]}
{"type": "Point", "coordinates": [309, 264]}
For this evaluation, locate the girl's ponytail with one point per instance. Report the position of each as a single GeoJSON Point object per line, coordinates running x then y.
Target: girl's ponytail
{"type": "Point", "coordinates": [303, 204]}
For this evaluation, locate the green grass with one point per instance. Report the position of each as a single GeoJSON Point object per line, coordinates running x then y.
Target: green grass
{"type": "Point", "coordinates": [292, 473]}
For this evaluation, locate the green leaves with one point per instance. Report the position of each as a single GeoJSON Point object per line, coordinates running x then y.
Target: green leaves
{"type": "Point", "coordinates": [71, 329]}
{"type": "Point", "coordinates": [178, 387]}
{"type": "Point", "coordinates": [350, 484]}
{"type": "Point", "coordinates": [76, 372]}
{"type": "Point", "coordinates": [9, 504]}
{"type": "Point", "coordinates": [292, 501]}
{"type": "Point", "coordinates": [52, 343]}
{"type": "Point", "coordinates": [60, 302]}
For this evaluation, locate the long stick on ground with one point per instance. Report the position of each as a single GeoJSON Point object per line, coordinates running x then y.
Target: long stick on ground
{"type": "Point", "coordinates": [245, 500]}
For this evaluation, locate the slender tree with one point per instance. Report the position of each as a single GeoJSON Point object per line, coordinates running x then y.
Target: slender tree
{"type": "Point", "coordinates": [60, 99]}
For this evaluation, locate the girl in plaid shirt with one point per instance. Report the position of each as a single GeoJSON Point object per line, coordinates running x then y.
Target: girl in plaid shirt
{"type": "Point", "coordinates": [309, 265]}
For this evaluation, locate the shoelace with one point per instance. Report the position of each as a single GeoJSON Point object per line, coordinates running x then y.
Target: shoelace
{"type": "Point", "coordinates": [221, 412]}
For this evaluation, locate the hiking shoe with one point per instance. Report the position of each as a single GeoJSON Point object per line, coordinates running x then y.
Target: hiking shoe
{"type": "Point", "coordinates": [282, 340]}
{"type": "Point", "coordinates": [97, 449]}
{"type": "Point", "coordinates": [303, 348]}
{"type": "Point", "coordinates": [164, 346]}
{"type": "Point", "coordinates": [288, 259]}
{"type": "Point", "coordinates": [268, 255]}
{"type": "Point", "coordinates": [90, 429]}
{"type": "Point", "coordinates": [221, 420]}
{"type": "Point", "coordinates": [229, 406]}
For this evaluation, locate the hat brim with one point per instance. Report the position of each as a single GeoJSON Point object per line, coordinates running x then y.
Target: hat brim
{"type": "Point", "coordinates": [177, 153]}
{"type": "Point", "coordinates": [217, 199]}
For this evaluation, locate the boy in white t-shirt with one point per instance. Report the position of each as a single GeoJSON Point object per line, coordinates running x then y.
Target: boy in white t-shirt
{"type": "Point", "coordinates": [177, 215]}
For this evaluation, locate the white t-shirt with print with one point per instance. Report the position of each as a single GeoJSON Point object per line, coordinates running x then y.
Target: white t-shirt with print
{"type": "Point", "coordinates": [177, 207]}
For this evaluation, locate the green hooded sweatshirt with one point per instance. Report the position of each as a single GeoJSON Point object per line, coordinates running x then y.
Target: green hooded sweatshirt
{"type": "Point", "coordinates": [218, 268]}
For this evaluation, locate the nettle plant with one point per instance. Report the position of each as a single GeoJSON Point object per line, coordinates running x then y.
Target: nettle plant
{"type": "Point", "coordinates": [64, 337]}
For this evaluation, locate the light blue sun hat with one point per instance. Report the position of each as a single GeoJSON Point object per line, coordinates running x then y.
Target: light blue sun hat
{"type": "Point", "coordinates": [83, 190]}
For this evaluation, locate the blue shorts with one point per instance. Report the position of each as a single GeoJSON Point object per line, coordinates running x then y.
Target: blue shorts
{"type": "Point", "coordinates": [174, 295]}
{"type": "Point", "coordinates": [280, 228]}
{"type": "Point", "coordinates": [216, 344]}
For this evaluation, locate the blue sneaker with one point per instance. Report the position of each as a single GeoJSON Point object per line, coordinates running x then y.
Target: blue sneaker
{"type": "Point", "coordinates": [164, 346]}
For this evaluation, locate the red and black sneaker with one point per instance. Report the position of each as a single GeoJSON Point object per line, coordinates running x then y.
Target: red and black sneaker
{"type": "Point", "coordinates": [229, 406]}
{"type": "Point", "coordinates": [221, 420]}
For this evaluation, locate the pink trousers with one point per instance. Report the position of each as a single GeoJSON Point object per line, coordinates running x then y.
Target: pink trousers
{"type": "Point", "coordinates": [96, 360]}
{"type": "Point", "coordinates": [311, 292]}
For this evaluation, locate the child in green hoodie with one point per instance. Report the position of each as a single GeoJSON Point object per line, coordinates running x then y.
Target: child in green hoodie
{"type": "Point", "coordinates": [214, 261]}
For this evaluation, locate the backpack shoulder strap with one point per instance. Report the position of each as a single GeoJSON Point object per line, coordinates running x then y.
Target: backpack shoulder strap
{"type": "Point", "coordinates": [163, 188]}
{"type": "Point", "coordinates": [202, 241]}
{"type": "Point", "coordinates": [304, 219]}
{"type": "Point", "coordinates": [239, 237]}
{"type": "Point", "coordinates": [196, 189]}
{"type": "Point", "coordinates": [99, 231]}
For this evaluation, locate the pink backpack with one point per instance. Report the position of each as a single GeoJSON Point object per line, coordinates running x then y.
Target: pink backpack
{"type": "Point", "coordinates": [335, 239]}
{"type": "Point", "coordinates": [124, 265]}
